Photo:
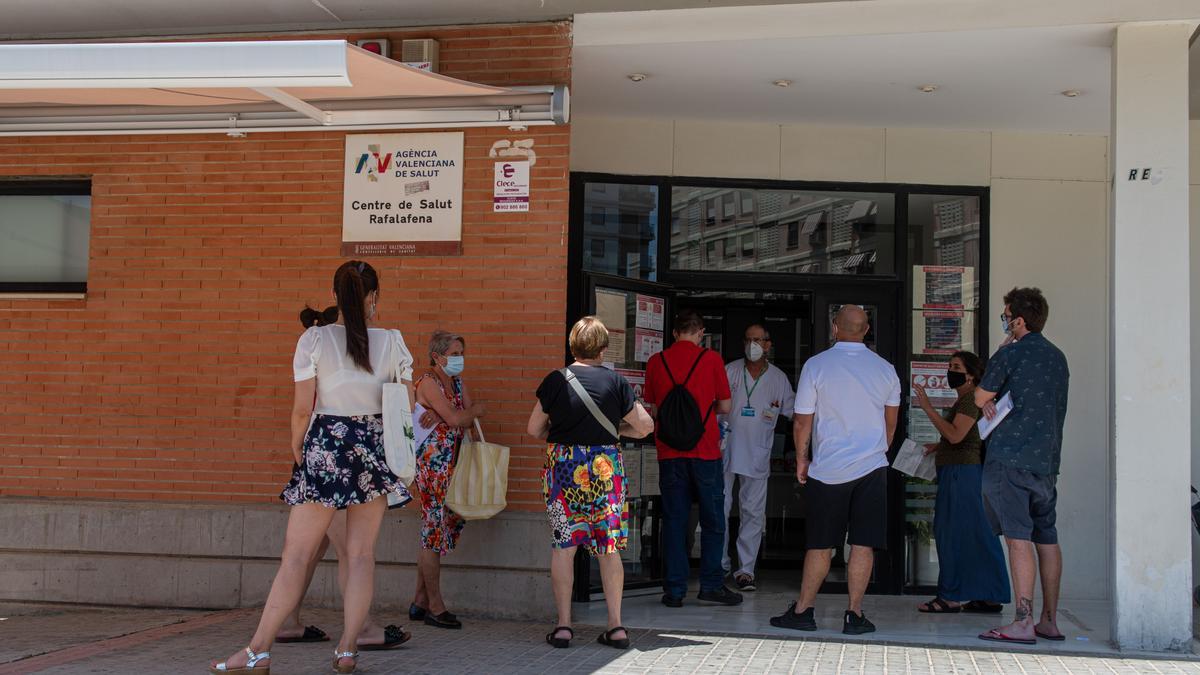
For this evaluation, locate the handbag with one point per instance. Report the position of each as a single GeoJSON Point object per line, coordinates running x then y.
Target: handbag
{"type": "Point", "coordinates": [479, 486]}
{"type": "Point", "coordinates": [398, 449]}
{"type": "Point", "coordinates": [590, 404]}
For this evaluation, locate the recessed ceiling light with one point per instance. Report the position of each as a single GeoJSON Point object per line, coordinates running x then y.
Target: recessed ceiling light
{"type": "Point", "coordinates": [927, 88]}
{"type": "Point", "coordinates": [1070, 93]}
{"type": "Point", "coordinates": [637, 77]}
{"type": "Point", "coordinates": [782, 83]}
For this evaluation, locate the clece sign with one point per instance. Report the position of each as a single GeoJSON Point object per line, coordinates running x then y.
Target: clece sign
{"type": "Point", "coordinates": [510, 186]}
{"type": "Point", "coordinates": [403, 194]}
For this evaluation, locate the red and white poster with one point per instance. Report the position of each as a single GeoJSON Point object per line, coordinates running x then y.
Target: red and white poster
{"type": "Point", "coordinates": [650, 312]}
{"type": "Point", "coordinates": [932, 376]}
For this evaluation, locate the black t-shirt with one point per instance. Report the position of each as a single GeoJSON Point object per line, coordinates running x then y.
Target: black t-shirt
{"type": "Point", "coordinates": [570, 421]}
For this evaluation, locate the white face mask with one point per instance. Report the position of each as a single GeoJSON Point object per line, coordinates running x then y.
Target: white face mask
{"type": "Point", "coordinates": [754, 352]}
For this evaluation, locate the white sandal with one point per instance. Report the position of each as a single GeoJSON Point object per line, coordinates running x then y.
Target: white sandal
{"type": "Point", "coordinates": [250, 667]}
{"type": "Point", "coordinates": [338, 656]}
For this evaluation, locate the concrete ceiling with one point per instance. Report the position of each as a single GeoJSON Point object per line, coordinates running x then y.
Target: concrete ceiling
{"type": "Point", "coordinates": [998, 79]}
{"type": "Point", "coordinates": [57, 19]}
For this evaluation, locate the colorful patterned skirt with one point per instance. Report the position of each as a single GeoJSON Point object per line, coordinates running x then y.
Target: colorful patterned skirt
{"type": "Point", "coordinates": [343, 464]}
{"type": "Point", "coordinates": [584, 487]}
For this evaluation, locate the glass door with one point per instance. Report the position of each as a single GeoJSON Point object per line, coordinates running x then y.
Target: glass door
{"type": "Point", "coordinates": [881, 304]}
{"type": "Point", "coordinates": [638, 317]}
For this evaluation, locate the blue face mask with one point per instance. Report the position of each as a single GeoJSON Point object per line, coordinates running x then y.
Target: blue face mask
{"type": "Point", "coordinates": [454, 365]}
{"type": "Point", "coordinates": [1005, 325]}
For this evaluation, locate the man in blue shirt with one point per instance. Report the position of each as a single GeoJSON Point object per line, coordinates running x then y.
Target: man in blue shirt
{"type": "Point", "coordinates": [1020, 473]}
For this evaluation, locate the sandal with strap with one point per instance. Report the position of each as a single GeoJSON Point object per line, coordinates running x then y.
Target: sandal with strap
{"type": "Point", "coordinates": [311, 634]}
{"type": "Point", "coordinates": [557, 642]}
{"type": "Point", "coordinates": [393, 636]}
{"type": "Point", "coordinates": [938, 606]}
{"type": "Point", "coordinates": [338, 656]}
{"type": "Point", "coordinates": [607, 639]}
{"type": "Point", "coordinates": [252, 661]}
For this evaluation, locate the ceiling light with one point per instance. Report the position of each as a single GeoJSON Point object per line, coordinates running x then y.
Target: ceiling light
{"type": "Point", "coordinates": [637, 77]}
{"type": "Point", "coordinates": [928, 88]}
{"type": "Point", "coordinates": [1070, 93]}
{"type": "Point", "coordinates": [782, 83]}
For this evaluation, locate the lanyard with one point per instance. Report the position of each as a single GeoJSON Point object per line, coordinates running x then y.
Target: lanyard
{"type": "Point", "coordinates": [749, 389]}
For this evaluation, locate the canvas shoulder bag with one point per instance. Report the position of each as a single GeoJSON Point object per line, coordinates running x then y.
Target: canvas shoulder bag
{"type": "Point", "coordinates": [479, 485]}
{"type": "Point", "coordinates": [584, 396]}
{"type": "Point", "coordinates": [398, 436]}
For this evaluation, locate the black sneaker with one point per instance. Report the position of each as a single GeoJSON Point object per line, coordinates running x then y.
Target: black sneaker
{"type": "Point", "coordinates": [672, 601]}
{"type": "Point", "coordinates": [857, 624]}
{"type": "Point", "coordinates": [745, 582]}
{"type": "Point", "coordinates": [795, 620]}
{"type": "Point", "coordinates": [722, 596]}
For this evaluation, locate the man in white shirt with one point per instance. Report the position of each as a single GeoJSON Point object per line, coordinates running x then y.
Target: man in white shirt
{"type": "Point", "coordinates": [853, 396]}
{"type": "Point", "coordinates": [761, 393]}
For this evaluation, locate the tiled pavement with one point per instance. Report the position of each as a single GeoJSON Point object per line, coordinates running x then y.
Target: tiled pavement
{"type": "Point", "coordinates": [40, 639]}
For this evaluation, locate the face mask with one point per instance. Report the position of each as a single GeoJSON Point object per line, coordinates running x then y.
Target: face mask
{"type": "Point", "coordinates": [754, 352]}
{"type": "Point", "coordinates": [454, 365]}
{"type": "Point", "coordinates": [956, 379]}
{"type": "Point", "coordinates": [1004, 323]}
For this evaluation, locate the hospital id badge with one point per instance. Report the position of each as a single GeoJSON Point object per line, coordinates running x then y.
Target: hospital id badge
{"type": "Point", "coordinates": [748, 411]}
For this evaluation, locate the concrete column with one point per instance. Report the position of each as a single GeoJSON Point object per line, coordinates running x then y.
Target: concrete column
{"type": "Point", "coordinates": [1151, 397]}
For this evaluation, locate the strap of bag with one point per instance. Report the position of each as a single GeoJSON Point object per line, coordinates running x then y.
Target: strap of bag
{"type": "Point", "coordinates": [587, 401]}
{"type": "Point", "coordinates": [662, 356]}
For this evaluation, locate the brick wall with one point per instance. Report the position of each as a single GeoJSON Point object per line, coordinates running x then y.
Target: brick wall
{"type": "Point", "coordinates": [172, 380]}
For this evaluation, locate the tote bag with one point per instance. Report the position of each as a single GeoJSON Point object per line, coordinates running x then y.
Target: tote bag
{"type": "Point", "coordinates": [398, 444]}
{"type": "Point", "coordinates": [479, 485]}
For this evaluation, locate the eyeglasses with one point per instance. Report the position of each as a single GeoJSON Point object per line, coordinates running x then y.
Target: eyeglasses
{"type": "Point", "coordinates": [1006, 317]}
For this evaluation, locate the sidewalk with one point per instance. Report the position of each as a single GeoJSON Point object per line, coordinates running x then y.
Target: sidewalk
{"type": "Point", "coordinates": [43, 639]}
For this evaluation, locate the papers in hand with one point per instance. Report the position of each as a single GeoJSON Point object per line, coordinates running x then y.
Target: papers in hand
{"type": "Point", "coordinates": [1003, 407]}
{"type": "Point", "coordinates": [912, 460]}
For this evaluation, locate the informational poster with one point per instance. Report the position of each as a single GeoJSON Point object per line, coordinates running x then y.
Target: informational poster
{"type": "Point", "coordinates": [637, 380]}
{"type": "Point", "coordinates": [943, 331]}
{"type": "Point", "coordinates": [649, 471]}
{"type": "Point", "coordinates": [646, 343]}
{"type": "Point", "coordinates": [932, 376]}
{"type": "Point", "coordinates": [651, 312]}
{"type": "Point", "coordinates": [631, 455]}
{"type": "Point", "coordinates": [611, 310]}
{"type": "Point", "coordinates": [615, 352]}
{"type": "Point", "coordinates": [920, 428]}
{"type": "Point", "coordinates": [403, 194]}
{"type": "Point", "coordinates": [944, 287]}
{"type": "Point", "coordinates": [510, 187]}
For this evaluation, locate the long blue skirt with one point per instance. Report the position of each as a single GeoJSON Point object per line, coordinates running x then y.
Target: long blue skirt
{"type": "Point", "coordinates": [970, 560]}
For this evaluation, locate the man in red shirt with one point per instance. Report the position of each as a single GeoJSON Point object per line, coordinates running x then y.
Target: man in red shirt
{"type": "Point", "coordinates": [694, 474]}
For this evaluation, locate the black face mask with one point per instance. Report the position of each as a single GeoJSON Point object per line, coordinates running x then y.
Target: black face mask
{"type": "Point", "coordinates": [955, 379]}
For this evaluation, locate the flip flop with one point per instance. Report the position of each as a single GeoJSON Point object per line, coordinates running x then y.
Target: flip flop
{"type": "Point", "coordinates": [994, 635]}
{"type": "Point", "coordinates": [311, 634]}
{"type": "Point", "coordinates": [393, 636]}
{"type": "Point", "coordinates": [938, 606]}
{"type": "Point", "coordinates": [1053, 638]}
{"type": "Point", "coordinates": [978, 607]}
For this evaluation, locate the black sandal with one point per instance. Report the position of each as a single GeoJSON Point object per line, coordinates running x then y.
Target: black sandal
{"type": "Point", "coordinates": [393, 636]}
{"type": "Point", "coordinates": [559, 643]}
{"type": "Point", "coordinates": [607, 640]}
{"type": "Point", "coordinates": [938, 606]}
{"type": "Point", "coordinates": [980, 607]}
{"type": "Point", "coordinates": [311, 634]}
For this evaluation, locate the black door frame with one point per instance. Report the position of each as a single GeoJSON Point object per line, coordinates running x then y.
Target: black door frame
{"type": "Point", "coordinates": [899, 283]}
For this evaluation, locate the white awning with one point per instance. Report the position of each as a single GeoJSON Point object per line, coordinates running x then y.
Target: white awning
{"type": "Point", "coordinates": [235, 87]}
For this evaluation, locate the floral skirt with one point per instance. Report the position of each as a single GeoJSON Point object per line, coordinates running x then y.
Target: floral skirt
{"type": "Point", "coordinates": [440, 527]}
{"type": "Point", "coordinates": [343, 465]}
{"type": "Point", "coordinates": [584, 487]}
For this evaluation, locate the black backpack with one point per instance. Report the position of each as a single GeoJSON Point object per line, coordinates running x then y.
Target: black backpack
{"type": "Point", "coordinates": [679, 423]}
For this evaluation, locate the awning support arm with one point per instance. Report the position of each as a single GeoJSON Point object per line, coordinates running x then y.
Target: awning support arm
{"type": "Point", "coordinates": [303, 107]}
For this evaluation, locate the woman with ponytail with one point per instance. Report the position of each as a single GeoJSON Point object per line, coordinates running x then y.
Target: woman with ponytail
{"type": "Point", "coordinates": [343, 361]}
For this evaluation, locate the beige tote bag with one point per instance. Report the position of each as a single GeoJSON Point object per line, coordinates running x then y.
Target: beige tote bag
{"type": "Point", "coordinates": [479, 485]}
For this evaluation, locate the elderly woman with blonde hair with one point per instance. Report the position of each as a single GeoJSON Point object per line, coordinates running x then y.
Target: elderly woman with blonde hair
{"type": "Point", "coordinates": [582, 411]}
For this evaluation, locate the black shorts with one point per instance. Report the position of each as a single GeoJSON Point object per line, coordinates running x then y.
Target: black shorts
{"type": "Point", "coordinates": [1021, 504]}
{"type": "Point", "coordinates": [860, 506]}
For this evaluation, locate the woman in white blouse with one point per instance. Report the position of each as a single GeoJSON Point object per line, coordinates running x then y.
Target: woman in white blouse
{"type": "Point", "coordinates": [339, 461]}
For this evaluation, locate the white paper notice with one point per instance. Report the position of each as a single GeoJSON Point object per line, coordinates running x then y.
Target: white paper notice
{"type": "Point", "coordinates": [615, 352]}
{"type": "Point", "coordinates": [631, 456]}
{"type": "Point", "coordinates": [912, 460]}
{"type": "Point", "coordinates": [610, 308]}
{"type": "Point", "coordinates": [650, 311]}
{"type": "Point", "coordinates": [647, 343]}
{"type": "Point", "coordinates": [1003, 407]}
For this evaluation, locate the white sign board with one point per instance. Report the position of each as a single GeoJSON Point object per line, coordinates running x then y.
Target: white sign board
{"type": "Point", "coordinates": [510, 187]}
{"type": "Point", "coordinates": [403, 194]}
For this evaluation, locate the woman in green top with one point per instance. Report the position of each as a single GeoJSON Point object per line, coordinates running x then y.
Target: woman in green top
{"type": "Point", "coordinates": [971, 574]}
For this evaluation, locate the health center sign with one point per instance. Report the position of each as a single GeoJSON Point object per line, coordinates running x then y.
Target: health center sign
{"type": "Point", "coordinates": [403, 194]}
